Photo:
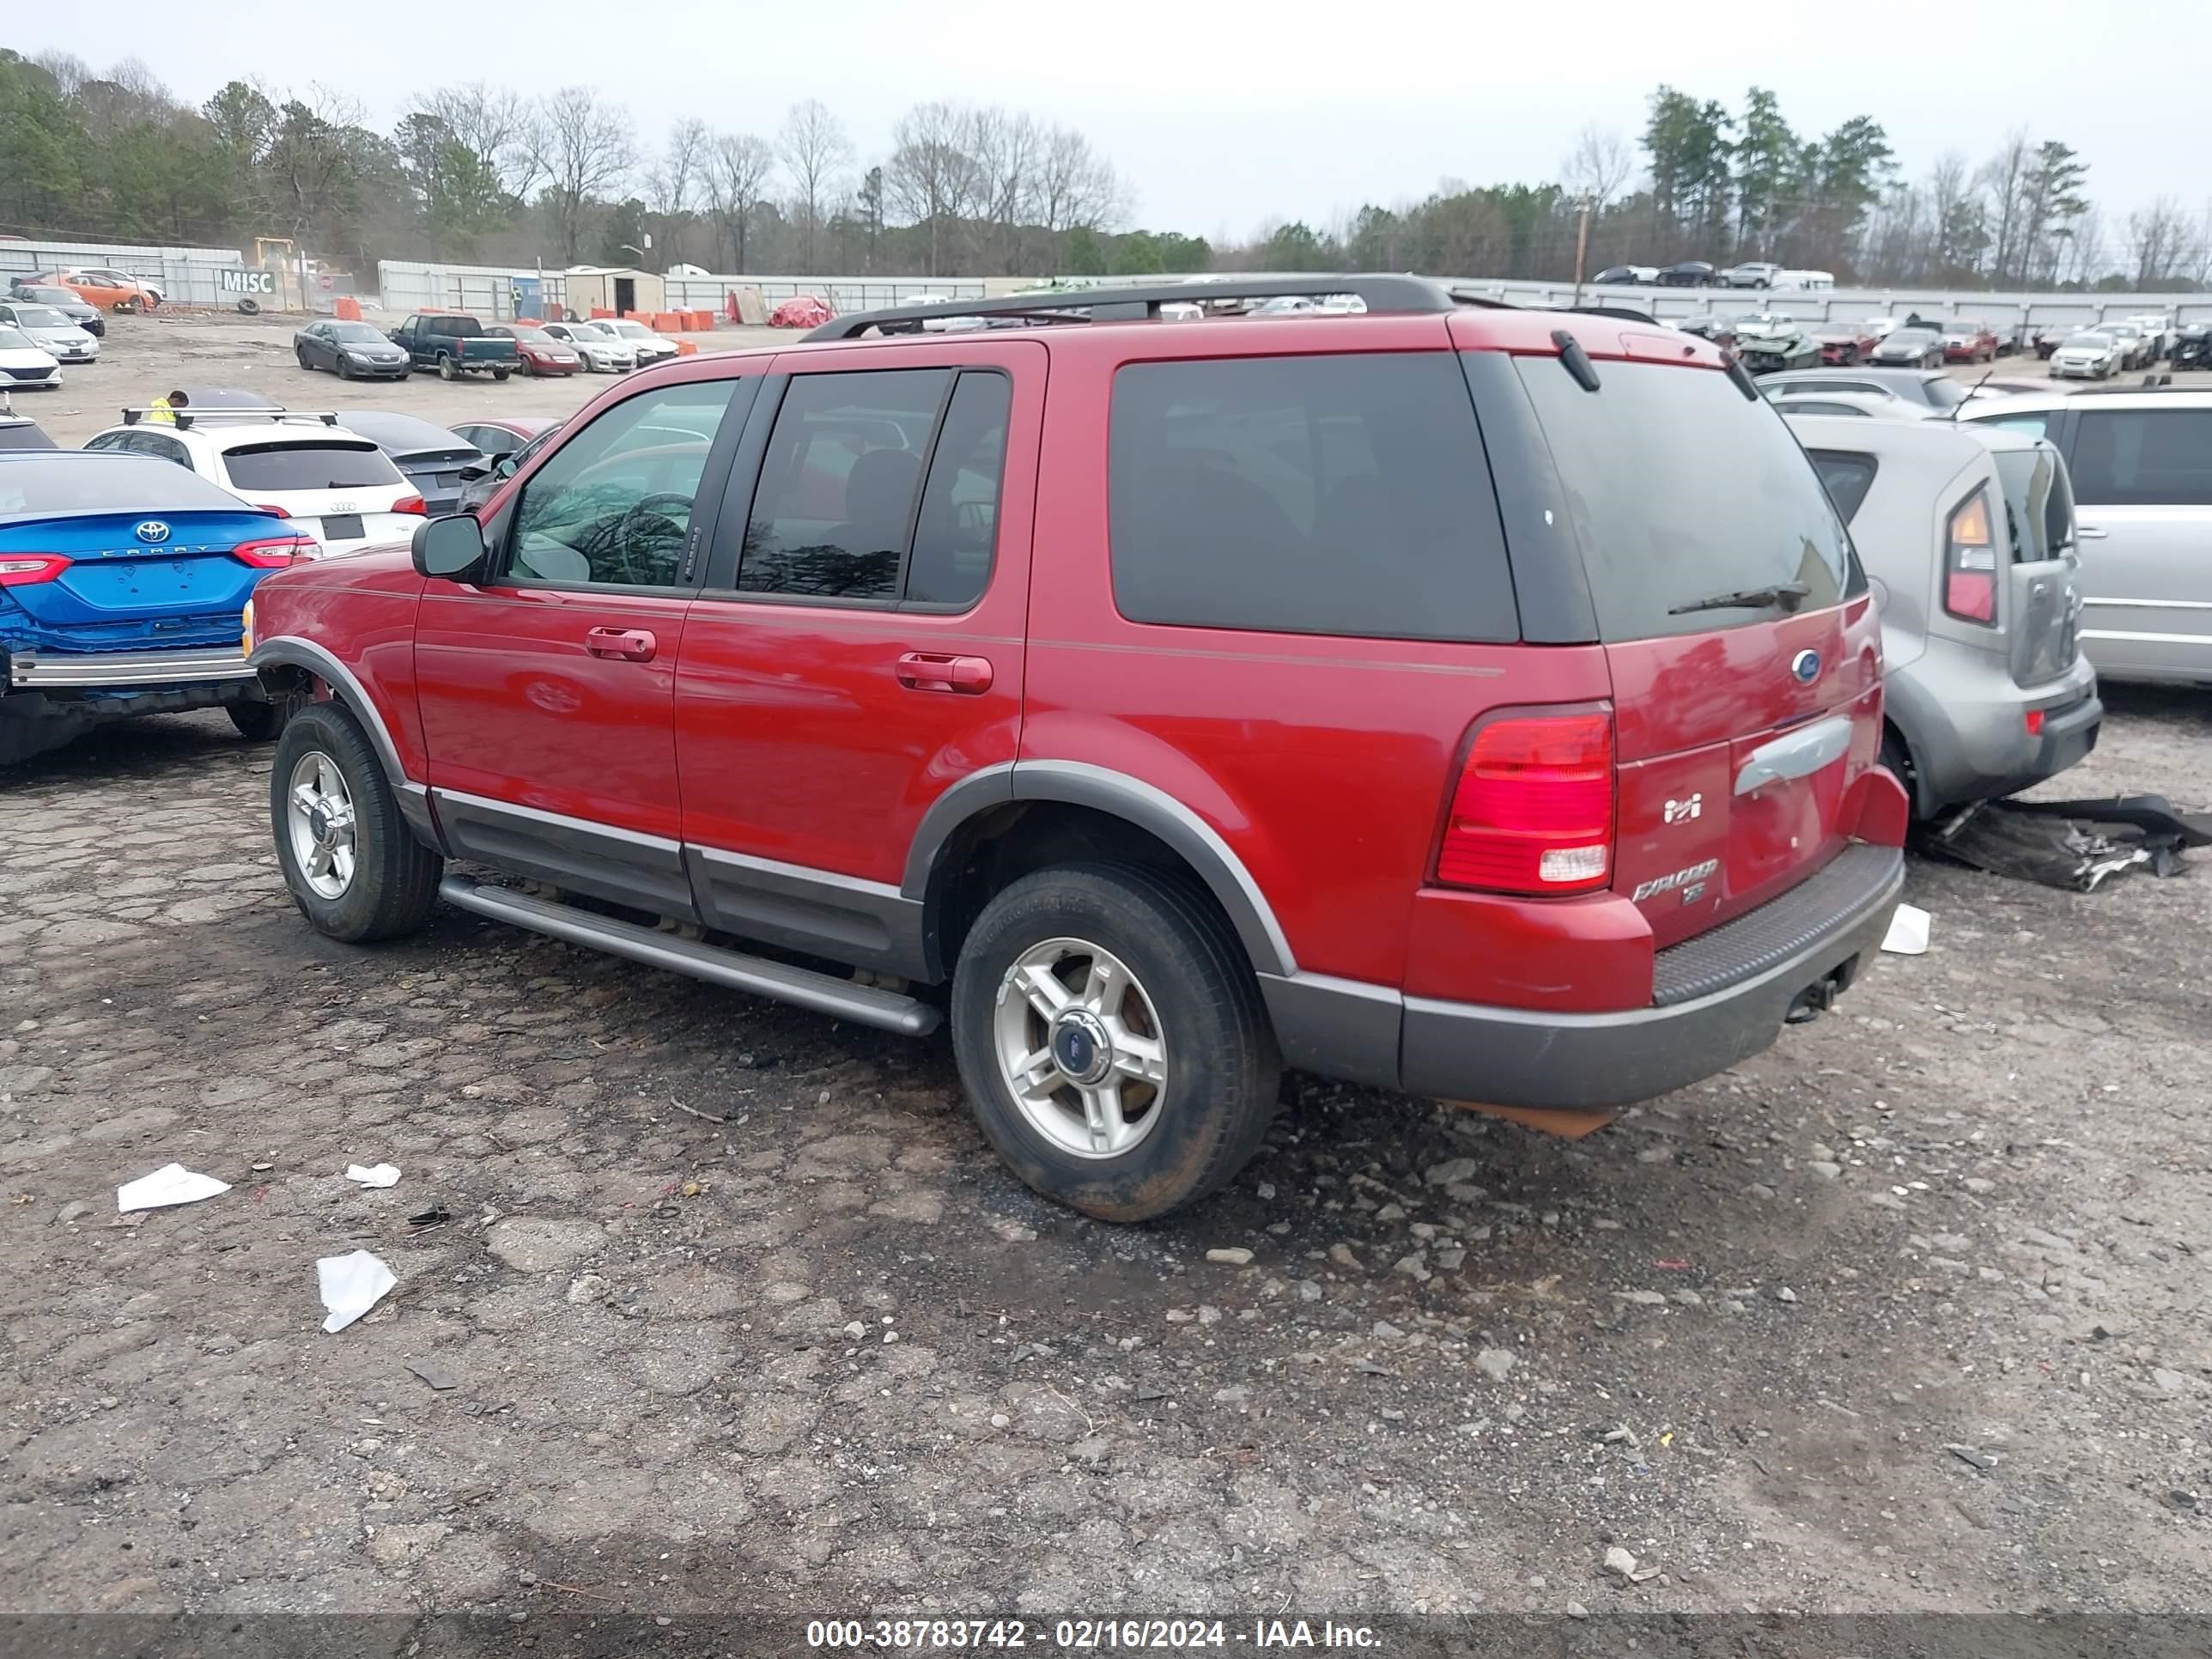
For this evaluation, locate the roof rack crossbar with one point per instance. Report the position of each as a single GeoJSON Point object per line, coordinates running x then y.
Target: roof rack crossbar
{"type": "Point", "coordinates": [184, 419]}
{"type": "Point", "coordinates": [1384, 292]}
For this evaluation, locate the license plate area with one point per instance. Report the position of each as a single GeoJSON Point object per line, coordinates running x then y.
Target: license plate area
{"type": "Point", "coordinates": [345, 527]}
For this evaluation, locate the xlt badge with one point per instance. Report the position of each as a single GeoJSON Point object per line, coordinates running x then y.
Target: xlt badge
{"type": "Point", "coordinates": [1695, 873]}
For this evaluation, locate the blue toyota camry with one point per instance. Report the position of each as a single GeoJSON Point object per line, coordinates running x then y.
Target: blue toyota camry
{"type": "Point", "coordinates": [123, 582]}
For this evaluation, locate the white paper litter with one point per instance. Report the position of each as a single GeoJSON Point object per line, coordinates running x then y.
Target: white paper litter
{"type": "Point", "coordinates": [1908, 932]}
{"type": "Point", "coordinates": [351, 1285]}
{"type": "Point", "coordinates": [375, 1174]}
{"type": "Point", "coordinates": [172, 1183]}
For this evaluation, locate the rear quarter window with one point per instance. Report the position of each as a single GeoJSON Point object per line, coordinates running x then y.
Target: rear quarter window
{"type": "Point", "coordinates": [1848, 476]}
{"type": "Point", "coordinates": [1682, 490]}
{"type": "Point", "coordinates": [1342, 494]}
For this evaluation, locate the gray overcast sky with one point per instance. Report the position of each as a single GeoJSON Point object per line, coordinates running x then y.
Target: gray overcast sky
{"type": "Point", "coordinates": [1223, 116]}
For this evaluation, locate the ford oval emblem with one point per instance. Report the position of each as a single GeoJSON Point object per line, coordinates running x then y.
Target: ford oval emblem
{"type": "Point", "coordinates": [1805, 668]}
{"type": "Point", "coordinates": [153, 529]}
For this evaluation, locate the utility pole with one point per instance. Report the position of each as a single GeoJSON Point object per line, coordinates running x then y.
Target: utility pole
{"type": "Point", "coordinates": [1582, 250]}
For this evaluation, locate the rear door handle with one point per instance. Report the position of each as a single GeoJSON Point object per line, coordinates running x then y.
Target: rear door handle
{"type": "Point", "coordinates": [926, 670]}
{"type": "Point", "coordinates": [2089, 533]}
{"type": "Point", "coordinates": [624, 644]}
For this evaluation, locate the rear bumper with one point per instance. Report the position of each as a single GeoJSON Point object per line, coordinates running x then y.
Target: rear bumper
{"type": "Point", "coordinates": [1719, 998]}
{"type": "Point", "coordinates": [123, 670]}
{"type": "Point", "coordinates": [1966, 722]}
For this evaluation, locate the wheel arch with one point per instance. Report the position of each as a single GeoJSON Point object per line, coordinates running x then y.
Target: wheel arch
{"type": "Point", "coordinates": [287, 662]}
{"type": "Point", "coordinates": [986, 806]}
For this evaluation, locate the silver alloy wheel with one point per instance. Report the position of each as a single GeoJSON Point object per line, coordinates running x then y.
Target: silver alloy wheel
{"type": "Point", "coordinates": [1080, 1048]}
{"type": "Point", "coordinates": [320, 816]}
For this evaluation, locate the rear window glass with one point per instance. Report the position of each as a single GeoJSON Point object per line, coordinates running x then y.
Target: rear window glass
{"type": "Point", "coordinates": [135, 484]}
{"type": "Point", "coordinates": [308, 466]}
{"type": "Point", "coordinates": [464, 327]}
{"type": "Point", "coordinates": [2144, 457]}
{"type": "Point", "coordinates": [1326, 495]}
{"type": "Point", "coordinates": [1848, 476]}
{"type": "Point", "coordinates": [2038, 506]}
{"type": "Point", "coordinates": [24, 437]}
{"type": "Point", "coordinates": [1681, 490]}
{"type": "Point", "coordinates": [1943, 393]}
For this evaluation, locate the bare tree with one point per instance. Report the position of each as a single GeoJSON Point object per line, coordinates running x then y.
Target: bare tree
{"type": "Point", "coordinates": [2159, 236]}
{"type": "Point", "coordinates": [670, 184]}
{"type": "Point", "coordinates": [932, 179]}
{"type": "Point", "coordinates": [583, 146]}
{"type": "Point", "coordinates": [494, 122]}
{"type": "Point", "coordinates": [2003, 175]}
{"type": "Point", "coordinates": [69, 71]}
{"type": "Point", "coordinates": [1598, 165]}
{"type": "Point", "coordinates": [736, 175]}
{"type": "Point", "coordinates": [1009, 150]}
{"type": "Point", "coordinates": [816, 152]}
{"type": "Point", "coordinates": [1077, 188]}
{"type": "Point", "coordinates": [2085, 250]}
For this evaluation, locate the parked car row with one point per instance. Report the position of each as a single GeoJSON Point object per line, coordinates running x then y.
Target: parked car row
{"type": "Point", "coordinates": [1697, 273]}
{"type": "Point", "coordinates": [452, 345]}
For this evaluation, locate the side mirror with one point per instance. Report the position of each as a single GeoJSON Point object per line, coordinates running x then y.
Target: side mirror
{"type": "Point", "coordinates": [474, 472]}
{"type": "Point", "coordinates": [506, 466]}
{"type": "Point", "coordinates": [451, 548]}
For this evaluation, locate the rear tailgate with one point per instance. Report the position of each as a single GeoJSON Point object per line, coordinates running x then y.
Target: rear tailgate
{"type": "Point", "coordinates": [489, 349]}
{"type": "Point", "coordinates": [2042, 603]}
{"type": "Point", "coordinates": [332, 488]}
{"type": "Point", "coordinates": [1743, 648]}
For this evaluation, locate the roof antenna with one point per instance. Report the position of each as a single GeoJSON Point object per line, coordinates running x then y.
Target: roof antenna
{"type": "Point", "coordinates": [1954, 415]}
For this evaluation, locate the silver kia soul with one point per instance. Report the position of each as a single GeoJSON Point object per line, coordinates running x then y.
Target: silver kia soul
{"type": "Point", "coordinates": [1967, 535]}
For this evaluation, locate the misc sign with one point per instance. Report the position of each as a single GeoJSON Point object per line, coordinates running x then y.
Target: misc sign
{"type": "Point", "coordinates": [241, 281]}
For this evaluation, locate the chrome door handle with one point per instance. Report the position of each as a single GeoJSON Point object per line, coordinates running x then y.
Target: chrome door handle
{"type": "Point", "coordinates": [2089, 533]}
{"type": "Point", "coordinates": [623, 644]}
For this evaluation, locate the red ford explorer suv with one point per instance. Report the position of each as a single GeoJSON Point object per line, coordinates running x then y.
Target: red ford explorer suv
{"type": "Point", "coordinates": [1470, 701]}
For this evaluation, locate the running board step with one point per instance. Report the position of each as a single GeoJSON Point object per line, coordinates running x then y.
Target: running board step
{"type": "Point", "coordinates": [864, 1005]}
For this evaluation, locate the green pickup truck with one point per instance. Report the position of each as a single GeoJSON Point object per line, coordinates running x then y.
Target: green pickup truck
{"type": "Point", "coordinates": [456, 344]}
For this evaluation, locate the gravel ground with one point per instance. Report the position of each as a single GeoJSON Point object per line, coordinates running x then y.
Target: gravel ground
{"type": "Point", "coordinates": [1908, 1314]}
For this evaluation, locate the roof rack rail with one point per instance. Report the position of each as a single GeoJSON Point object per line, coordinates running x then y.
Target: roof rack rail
{"type": "Point", "coordinates": [185, 418]}
{"type": "Point", "coordinates": [1385, 292]}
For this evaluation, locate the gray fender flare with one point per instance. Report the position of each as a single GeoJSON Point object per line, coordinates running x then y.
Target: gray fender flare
{"type": "Point", "coordinates": [1150, 809]}
{"type": "Point", "coordinates": [289, 651]}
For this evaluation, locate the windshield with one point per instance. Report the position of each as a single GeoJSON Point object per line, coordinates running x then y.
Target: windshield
{"type": "Point", "coordinates": [632, 331]}
{"type": "Point", "coordinates": [1912, 337]}
{"type": "Point", "coordinates": [589, 331]}
{"type": "Point", "coordinates": [355, 334]}
{"type": "Point", "coordinates": [2090, 342]}
{"type": "Point", "coordinates": [532, 337]}
{"type": "Point", "coordinates": [52, 296]}
{"type": "Point", "coordinates": [1680, 487]}
{"type": "Point", "coordinates": [40, 317]}
{"type": "Point", "coordinates": [326, 465]}
{"type": "Point", "coordinates": [1943, 394]}
{"type": "Point", "coordinates": [14, 339]}
{"type": "Point", "coordinates": [1966, 328]}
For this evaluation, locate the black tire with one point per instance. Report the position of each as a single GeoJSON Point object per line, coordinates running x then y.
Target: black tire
{"type": "Point", "coordinates": [301, 352]}
{"type": "Point", "coordinates": [395, 878]}
{"type": "Point", "coordinates": [263, 722]}
{"type": "Point", "coordinates": [446, 369]}
{"type": "Point", "coordinates": [344, 369]}
{"type": "Point", "coordinates": [500, 374]}
{"type": "Point", "coordinates": [1899, 759]}
{"type": "Point", "coordinates": [1224, 1069]}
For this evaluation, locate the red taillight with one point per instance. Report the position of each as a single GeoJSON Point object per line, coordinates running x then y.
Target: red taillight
{"type": "Point", "coordinates": [275, 553]}
{"type": "Point", "coordinates": [410, 504]}
{"type": "Point", "coordinates": [1533, 809]}
{"type": "Point", "coordinates": [22, 571]}
{"type": "Point", "coordinates": [1970, 562]}
{"type": "Point", "coordinates": [278, 511]}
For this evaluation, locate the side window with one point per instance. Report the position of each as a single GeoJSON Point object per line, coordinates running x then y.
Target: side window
{"type": "Point", "coordinates": [609, 510]}
{"type": "Point", "coordinates": [109, 440]}
{"type": "Point", "coordinates": [2144, 457]}
{"type": "Point", "coordinates": [835, 507]}
{"type": "Point", "coordinates": [164, 449]}
{"type": "Point", "coordinates": [1344, 494]}
{"type": "Point", "coordinates": [957, 529]}
{"type": "Point", "coordinates": [1848, 476]}
{"type": "Point", "coordinates": [2037, 424]}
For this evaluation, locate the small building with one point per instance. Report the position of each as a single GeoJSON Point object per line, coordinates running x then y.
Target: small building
{"type": "Point", "coordinates": [586, 289]}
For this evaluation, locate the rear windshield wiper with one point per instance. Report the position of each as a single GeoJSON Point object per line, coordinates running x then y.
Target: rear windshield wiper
{"type": "Point", "coordinates": [1788, 595]}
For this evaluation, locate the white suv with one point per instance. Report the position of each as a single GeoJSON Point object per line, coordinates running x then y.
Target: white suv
{"type": "Point", "coordinates": [332, 484]}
